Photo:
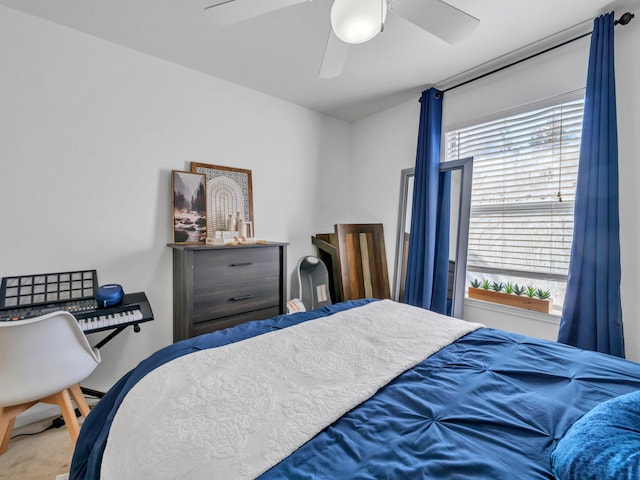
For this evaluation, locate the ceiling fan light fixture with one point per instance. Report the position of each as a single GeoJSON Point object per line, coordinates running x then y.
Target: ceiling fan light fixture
{"type": "Point", "coordinates": [357, 21]}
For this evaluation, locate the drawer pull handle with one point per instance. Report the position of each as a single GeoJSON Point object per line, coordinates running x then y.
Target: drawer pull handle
{"type": "Point", "coordinates": [242, 297]}
{"type": "Point", "coordinates": [243, 264]}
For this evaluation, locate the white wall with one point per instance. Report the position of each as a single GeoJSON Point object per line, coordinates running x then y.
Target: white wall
{"type": "Point", "coordinates": [628, 95]}
{"type": "Point", "coordinates": [89, 133]}
{"type": "Point", "coordinates": [382, 145]}
{"type": "Point", "coordinates": [385, 143]}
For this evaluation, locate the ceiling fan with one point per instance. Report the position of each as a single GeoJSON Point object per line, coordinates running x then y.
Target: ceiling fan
{"type": "Point", "coordinates": [355, 21]}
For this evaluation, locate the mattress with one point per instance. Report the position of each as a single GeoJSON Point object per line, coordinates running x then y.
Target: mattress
{"type": "Point", "coordinates": [490, 404]}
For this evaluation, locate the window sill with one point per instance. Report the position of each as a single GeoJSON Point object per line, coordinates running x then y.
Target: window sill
{"type": "Point", "coordinates": [553, 318]}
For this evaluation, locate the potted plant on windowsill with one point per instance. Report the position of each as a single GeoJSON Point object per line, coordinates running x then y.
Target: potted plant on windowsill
{"type": "Point", "coordinates": [513, 295]}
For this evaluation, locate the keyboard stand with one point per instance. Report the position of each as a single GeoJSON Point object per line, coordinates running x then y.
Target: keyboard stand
{"type": "Point", "coordinates": [108, 338]}
{"type": "Point", "coordinates": [99, 345]}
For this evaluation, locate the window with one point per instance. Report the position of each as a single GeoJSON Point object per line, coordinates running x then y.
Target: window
{"type": "Point", "coordinates": [524, 180]}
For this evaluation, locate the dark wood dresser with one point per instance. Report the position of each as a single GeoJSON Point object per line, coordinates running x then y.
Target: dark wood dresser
{"type": "Point", "coordinates": [216, 287]}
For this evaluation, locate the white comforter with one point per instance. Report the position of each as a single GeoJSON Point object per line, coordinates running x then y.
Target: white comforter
{"type": "Point", "coordinates": [235, 411]}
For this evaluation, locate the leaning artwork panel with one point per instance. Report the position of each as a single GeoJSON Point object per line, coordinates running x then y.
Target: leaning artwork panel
{"type": "Point", "coordinates": [229, 192]}
{"type": "Point", "coordinates": [189, 207]}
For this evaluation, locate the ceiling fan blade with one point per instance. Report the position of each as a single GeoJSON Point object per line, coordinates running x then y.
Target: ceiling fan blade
{"type": "Point", "coordinates": [227, 12]}
{"type": "Point", "coordinates": [437, 17]}
{"type": "Point", "coordinates": [335, 56]}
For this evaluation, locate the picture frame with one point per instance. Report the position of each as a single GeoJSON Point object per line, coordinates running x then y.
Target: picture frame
{"type": "Point", "coordinates": [189, 207]}
{"type": "Point", "coordinates": [229, 190]}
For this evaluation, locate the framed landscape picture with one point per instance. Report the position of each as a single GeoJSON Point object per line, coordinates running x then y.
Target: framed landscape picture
{"type": "Point", "coordinates": [189, 207]}
{"type": "Point", "coordinates": [229, 191]}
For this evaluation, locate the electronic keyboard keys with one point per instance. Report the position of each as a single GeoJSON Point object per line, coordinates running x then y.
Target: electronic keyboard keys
{"type": "Point", "coordinates": [111, 320]}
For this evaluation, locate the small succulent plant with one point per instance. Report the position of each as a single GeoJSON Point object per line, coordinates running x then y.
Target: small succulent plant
{"type": "Point", "coordinates": [486, 284]}
{"type": "Point", "coordinates": [542, 294]}
{"type": "Point", "coordinates": [518, 290]}
{"type": "Point", "coordinates": [530, 291]}
{"type": "Point", "coordinates": [497, 286]}
{"type": "Point", "coordinates": [508, 287]}
{"type": "Point", "coordinates": [475, 283]}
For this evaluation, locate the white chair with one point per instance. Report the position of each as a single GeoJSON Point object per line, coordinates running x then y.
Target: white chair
{"type": "Point", "coordinates": [43, 359]}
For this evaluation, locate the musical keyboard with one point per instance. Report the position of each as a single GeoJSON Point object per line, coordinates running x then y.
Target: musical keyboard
{"type": "Point", "coordinates": [133, 309]}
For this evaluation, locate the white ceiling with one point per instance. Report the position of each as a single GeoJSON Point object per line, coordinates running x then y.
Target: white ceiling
{"type": "Point", "coordinates": [280, 53]}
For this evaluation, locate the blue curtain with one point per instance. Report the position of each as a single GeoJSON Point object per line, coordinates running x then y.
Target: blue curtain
{"type": "Point", "coordinates": [592, 315]}
{"type": "Point", "coordinates": [439, 300]}
{"type": "Point", "coordinates": [428, 249]}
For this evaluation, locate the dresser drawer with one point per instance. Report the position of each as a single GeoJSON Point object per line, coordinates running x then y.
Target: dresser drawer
{"type": "Point", "coordinates": [234, 298]}
{"type": "Point", "coordinates": [235, 265]}
{"type": "Point", "coordinates": [226, 322]}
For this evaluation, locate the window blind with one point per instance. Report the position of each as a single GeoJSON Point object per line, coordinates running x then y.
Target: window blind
{"type": "Point", "coordinates": [525, 168]}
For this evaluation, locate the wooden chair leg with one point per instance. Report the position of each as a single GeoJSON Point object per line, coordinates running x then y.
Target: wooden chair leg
{"type": "Point", "coordinates": [80, 401]}
{"type": "Point", "coordinates": [7, 420]}
{"type": "Point", "coordinates": [69, 414]}
{"type": "Point", "coordinates": [63, 400]}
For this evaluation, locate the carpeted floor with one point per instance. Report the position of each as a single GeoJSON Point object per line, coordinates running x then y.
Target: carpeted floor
{"type": "Point", "coordinates": [37, 457]}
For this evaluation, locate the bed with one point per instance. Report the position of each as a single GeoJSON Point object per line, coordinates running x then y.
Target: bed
{"type": "Point", "coordinates": [365, 389]}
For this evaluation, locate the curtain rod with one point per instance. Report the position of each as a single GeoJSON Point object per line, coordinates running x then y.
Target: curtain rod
{"type": "Point", "coordinates": [623, 20]}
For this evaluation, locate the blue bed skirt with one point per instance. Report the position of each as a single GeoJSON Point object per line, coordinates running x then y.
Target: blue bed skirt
{"type": "Point", "coordinates": [492, 405]}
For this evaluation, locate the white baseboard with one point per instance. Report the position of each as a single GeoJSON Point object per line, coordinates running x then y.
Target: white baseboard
{"type": "Point", "coordinates": [40, 411]}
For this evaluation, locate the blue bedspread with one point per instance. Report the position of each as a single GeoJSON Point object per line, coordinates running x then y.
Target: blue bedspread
{"type": "Point", "coordinates": [490, 406]}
